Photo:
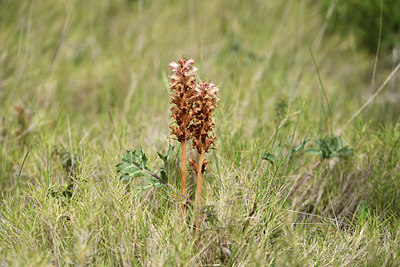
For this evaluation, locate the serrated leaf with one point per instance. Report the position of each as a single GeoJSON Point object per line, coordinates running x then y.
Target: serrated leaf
{"type": "Point", "coordinates": [134, 166]}
{"type": "Point", "coordinates": [330, 147]}
{"type": "Point", "coordinates": [165, 159]}
{"type": "Point", "coordinates": [168, 155]}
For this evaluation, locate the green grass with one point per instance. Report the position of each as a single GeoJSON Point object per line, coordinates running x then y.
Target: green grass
{"type": "Point", "coordinates": [81, 82]}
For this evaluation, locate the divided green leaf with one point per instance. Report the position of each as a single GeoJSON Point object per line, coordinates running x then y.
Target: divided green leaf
{"type": "Point", "coordinates": [134, 165]}
{"type": "Point", "coordinates": [330, 147]}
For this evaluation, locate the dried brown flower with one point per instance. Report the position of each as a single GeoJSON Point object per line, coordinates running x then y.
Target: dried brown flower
{"type": "Point", "coordinates": [183, 83]}
{"type": "Point", "coordinates": [203, 119]}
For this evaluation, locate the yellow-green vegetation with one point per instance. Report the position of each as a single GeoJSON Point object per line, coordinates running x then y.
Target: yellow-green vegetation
{"type": "Point", "coordinates": [305, 169]}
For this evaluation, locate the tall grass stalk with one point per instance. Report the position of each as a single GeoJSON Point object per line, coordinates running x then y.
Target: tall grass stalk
{"type": "Point", "coordinates": [324, 92]}
{"type": "Point", "coordinates": [3, 175]}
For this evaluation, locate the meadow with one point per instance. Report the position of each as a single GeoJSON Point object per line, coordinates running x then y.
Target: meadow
{"type": "Point", "coordinates": [304, 172]}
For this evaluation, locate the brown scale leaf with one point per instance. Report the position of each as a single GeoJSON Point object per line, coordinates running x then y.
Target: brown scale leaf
{"type": "Point", "coordinates": [195, 166]}
{"type": "Point", "coordinates": [204, 165]}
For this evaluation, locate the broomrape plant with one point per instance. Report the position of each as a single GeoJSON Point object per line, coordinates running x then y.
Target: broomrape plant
{"type": "Point", "coordinates": [193, 107]}
{"type": "Point", "coordinates": [183, 83]}
{"type": "Point", "coordinates": [201, 130]}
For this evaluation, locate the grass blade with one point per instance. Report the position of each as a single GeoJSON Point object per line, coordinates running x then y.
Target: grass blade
{"type": "Point", "coordinates": [23, 163]}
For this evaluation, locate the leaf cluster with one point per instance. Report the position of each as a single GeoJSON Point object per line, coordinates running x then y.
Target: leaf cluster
{"type": "Point", "coordinates": [134, 165]}
{"type": "Point", "coordinates": [330, 147]}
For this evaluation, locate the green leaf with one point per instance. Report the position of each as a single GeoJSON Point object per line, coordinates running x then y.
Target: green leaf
{"type": "Point", "coordinates": [133, 165]}
{"type": "Point", "coordinates": [314, 151]}
{"type": "Point", "coordinates": [269, 157]}
{"type": "Point", "coordinates": [330, 147]}
{"type": "Point", "coordinates": [363, 212]}
{"type": "Point", "coordinates": [165, 159]}
{"type": "Point", "coordinates": [346, 152]}
{"type": "Point", "coordinates": [300, 147]}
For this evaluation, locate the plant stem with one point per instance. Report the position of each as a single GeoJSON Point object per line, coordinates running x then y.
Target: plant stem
{"type": "Point", "coordinates": [198, 190]}
{"type": "Point", "coordinates": [3, 175]}
{"type": "Point", "coordinates": [183, 175]}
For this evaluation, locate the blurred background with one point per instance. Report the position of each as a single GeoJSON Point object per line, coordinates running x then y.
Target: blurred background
{"type": "Point", "coordinates": [61, 57]}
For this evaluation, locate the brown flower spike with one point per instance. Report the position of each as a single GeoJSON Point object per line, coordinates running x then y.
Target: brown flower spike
{"type": "Point", "coordinates": [183, 84]}
{"type": "Point", "coordinates": [204, 121]}
{"type": "Point", "coordinates": [201, 130]}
